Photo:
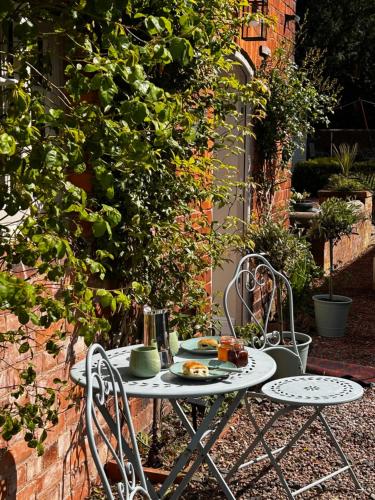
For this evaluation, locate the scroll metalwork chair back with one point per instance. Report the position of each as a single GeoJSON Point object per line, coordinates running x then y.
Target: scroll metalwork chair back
{"type": "Point", "coordinates": [254, 279]}
{"type": "Point", "coordinates": [106, 401]}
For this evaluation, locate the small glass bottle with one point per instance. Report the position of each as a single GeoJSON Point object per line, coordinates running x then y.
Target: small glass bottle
{"type": "Point", "coordinates": [238, 354]}
{"type": "Point", "coordinates": [226, 345]}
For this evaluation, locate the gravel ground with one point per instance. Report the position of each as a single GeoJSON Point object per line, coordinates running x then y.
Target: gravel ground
{"type": "Point", "coordinates": [358, 345]}
{"type": "Point", "coordinates": [311, 458]}
{"type": "Point", "coordinates": [353, 423]}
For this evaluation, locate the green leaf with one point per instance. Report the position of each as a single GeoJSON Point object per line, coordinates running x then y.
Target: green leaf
{"type": "Point", "coordinates": [91, 68]}
{"type": "Point", "coordinates": [7, 144]}
{"type": "Point", "coordinates": [23, 317]}
{"type": "Point", "coordinates": [113, 305]}
{"type": "Point", "coordinates": [33, 443]}
{"type": "Point", "coordinates": [56, 113]}
{"type": "Point", "coordinates": [24, 347]}
{"type": "Point", "coordinates": [123, 299]}
{"type": "Point", "coordinates": [153, 25]}
{"type": "Point", "coordinates": [181, 50]}
{"type": "Point", "coordinates": [135, 111]}
{"type": "Point", "coordinates": [112, 215]}
{"type": "Point", "coordinates": [156, 25]}
{"type": "Point", "coordinates": [99, 228]}
{"type": "Point", "coordinates": [110, 192]}
{"type": "Point", "coordinates": [39, 449]}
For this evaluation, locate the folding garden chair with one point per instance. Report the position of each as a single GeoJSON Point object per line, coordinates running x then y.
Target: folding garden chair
{"type": "Point", "coordinates": [257, 283]}
{"type": "Point", "coordinates": [106, 400]}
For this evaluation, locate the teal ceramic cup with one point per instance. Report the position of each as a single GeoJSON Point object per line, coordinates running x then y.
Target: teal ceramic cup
{"type": "Point", "coordinates": [144, 362]}
{"type": "Point", "coordinates": [174, 343]}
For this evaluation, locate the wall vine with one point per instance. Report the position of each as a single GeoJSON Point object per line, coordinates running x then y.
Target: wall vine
{"type": "Point", "coordinates": [111, 170]}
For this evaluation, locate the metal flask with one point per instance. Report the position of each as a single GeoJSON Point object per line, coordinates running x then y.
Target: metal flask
{"type": "Point", "coordinates": [156, 333]}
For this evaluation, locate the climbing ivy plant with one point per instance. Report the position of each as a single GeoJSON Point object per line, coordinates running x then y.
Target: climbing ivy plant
{"type": "Point", "coordinates": [109, 173]}
{"type": "Point", "coordinates": [300, 99]}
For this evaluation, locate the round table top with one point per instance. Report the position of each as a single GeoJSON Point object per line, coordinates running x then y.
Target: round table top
{"type": "Point", "coordinates": [166, 385]}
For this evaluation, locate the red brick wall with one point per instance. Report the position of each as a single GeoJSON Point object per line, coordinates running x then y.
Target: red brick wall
{"type": "Point", "coordinates": [282, 31]}
{"type": "Point", "coordinates": [277, 35]}
{"type": "Point", "coordinates": [66, 468]}
{"type": "Point", "coordinates": [22, 473]}
{"type": "Point", "coordinates": [346, 250]}
{"type": "Point", "coordinates": [349, 247]}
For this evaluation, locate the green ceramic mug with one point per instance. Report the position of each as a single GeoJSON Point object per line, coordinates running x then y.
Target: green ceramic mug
{"type": "Point", "coordinates": [144, 362]}
{"type": "Point", "coordinates": [173, 342]}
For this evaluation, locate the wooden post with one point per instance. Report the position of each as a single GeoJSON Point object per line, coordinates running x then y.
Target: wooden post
{"type": "Point", "coordinates": [373, 273]}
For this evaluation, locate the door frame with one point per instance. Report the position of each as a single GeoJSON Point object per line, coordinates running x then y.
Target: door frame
{"type": "Point", "coordinates": [248, 71]}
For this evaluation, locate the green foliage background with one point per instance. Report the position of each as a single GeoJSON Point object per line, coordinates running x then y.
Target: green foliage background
{"type": "Point", "coordinates": [345, 31]}
{"type": "Point", "coordinates": [314, 174]}
{"type": "Point", "coordinates": [141, 110]}
{"type": "Point", "coordinates": [300, 98]}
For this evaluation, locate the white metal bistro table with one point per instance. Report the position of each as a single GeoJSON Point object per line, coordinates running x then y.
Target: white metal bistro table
{"type": "Point", "coordinates": [165, 385]}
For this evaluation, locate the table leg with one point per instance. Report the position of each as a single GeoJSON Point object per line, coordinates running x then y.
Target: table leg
{"type": "Point", "coordinates": [195, 443]}
{"type": "Point", "coordinates": [210, 463]}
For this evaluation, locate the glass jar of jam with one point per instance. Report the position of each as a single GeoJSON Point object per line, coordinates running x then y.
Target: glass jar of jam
{"type": "Point", "coordinates": [225, 346]}
{"type": "Point", "coordinates": [238, 354]}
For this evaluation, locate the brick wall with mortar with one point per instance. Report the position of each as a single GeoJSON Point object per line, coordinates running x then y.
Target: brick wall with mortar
{"type": "Point", "coordinates": [281, 33]}
{"type": "Point", "coordinates": [346, 250]}
{"type": "Point", "coordinates": [349, 247]}
{"type": "Point", "coordinates": [66, 469]}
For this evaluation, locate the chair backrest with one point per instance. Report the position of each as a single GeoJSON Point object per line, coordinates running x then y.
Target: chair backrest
{"type": "Point", "coordinates": [106, 400]}
{"type": "Point", "coordinates": [255, 281]}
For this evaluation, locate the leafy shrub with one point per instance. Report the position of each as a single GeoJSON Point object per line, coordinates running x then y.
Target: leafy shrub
{"type": "Point", "coordinates": [250, 332]}
{"type": "Point", "coordinates": [368, 180]}
{"type": "Point", "coordinates": [131, 115]}
{"type": "Point", "coordinates": [314, 174]}
{"type": "Point", "coordinates": [287, 252]}
{"type": "Point", "coordinates": [335, 220]}
{"type": "Point", "coordinates": [346, 156]}
{"type": "Point", "coordinates": [299, 98]}
{"type": "Point", "coordinates": [339, 182]}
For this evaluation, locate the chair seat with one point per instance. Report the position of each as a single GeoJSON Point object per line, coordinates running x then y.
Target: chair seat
{"type": "Point", "coordinates": [312, 390]}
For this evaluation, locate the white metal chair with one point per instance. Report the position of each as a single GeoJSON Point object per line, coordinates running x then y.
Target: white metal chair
{"type": "Point", "coordinates": [106, 400]}
{"type": "Point", "coordinates": [256, 279]}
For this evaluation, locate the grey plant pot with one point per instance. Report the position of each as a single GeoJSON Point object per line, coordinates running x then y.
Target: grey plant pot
{"type": "Point", "coordinates": [304, 341]}
{"type": "Point", "coordinates": [304, 206]}
{"type": "Point", "coordinates": [331, 316]}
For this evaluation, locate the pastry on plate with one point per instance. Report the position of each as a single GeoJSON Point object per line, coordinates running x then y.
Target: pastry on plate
{"type": "Point", "coordinates": [207, 343]}
{"type": "Point", "coordinates": [195, 369]}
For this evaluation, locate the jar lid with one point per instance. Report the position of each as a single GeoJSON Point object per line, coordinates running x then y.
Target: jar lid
{"type": "Point", "coordinates": [227, 340]}
{"type": "Point", "coordinates": [239, 344]}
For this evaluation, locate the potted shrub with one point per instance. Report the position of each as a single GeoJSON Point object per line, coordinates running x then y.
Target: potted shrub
{"type": "Point", "coordinates": [252, 331]}
{"type": "Point", "coordinates": [335, 220]}
{"type": "Point", "coordinates": [290, 255]}
{"type": "Point", "coordinates": [345, 183]}
{"type": "Point", "coordinates": [299, 202]}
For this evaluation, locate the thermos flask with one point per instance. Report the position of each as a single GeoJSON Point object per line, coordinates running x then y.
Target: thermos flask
{"type": "Point", "coordinates": [156, 333]}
